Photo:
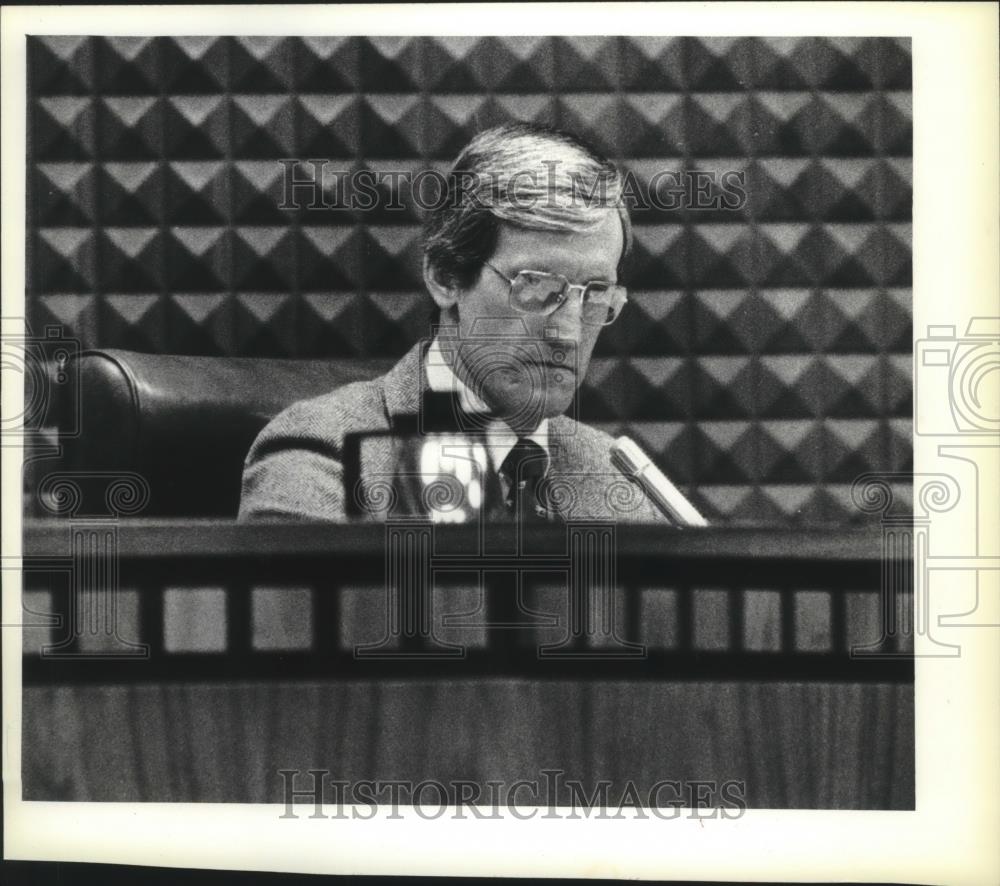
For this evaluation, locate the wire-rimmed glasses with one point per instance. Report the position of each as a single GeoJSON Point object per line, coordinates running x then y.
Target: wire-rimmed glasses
{"type": "Point", "coordinates": [543, 293]}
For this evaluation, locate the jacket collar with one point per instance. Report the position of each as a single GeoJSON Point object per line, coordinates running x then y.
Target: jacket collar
{"type": "Point", "coordinates": [403, 383]}
{"type": "Point", "coordinates": [402, 387]}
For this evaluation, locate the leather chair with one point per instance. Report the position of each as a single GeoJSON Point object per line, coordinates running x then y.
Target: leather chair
{"type": "Point", "coordinates": [185, 424]}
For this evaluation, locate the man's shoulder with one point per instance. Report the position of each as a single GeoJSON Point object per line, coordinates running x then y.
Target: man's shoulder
{"type": "Point", "coordinates": [358, 406]}
{"type": "Point", "coordinates": [293, 468]}
{"type": "Point", "coordinates": [591, 486]}
{"type": "Point", "coordinates": [581, 442]}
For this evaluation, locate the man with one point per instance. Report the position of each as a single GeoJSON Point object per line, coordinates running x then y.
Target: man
{"type": "Point", "coordinates": [522, 259]}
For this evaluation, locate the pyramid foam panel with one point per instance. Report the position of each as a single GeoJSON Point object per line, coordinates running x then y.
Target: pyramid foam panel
{"type": "Point", "coordinates": [764, 357]}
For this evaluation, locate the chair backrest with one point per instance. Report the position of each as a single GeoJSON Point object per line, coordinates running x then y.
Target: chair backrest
{"type": "Point", "coordinates": [186, 423]}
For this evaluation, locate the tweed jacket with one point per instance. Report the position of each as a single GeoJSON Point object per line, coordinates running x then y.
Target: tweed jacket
{"type": "Point", "coordinates": [294, 469]}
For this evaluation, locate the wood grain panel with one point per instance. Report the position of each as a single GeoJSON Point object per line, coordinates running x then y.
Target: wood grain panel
{"type": "Point", "coordinates": [815, 745]}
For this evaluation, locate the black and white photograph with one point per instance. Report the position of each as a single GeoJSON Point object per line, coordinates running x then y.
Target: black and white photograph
{"type": "Point", "coordinates": [487, 427]}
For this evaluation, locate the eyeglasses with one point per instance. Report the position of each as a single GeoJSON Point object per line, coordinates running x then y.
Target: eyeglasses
{"type": "Point", "coordinates": [542, 293]}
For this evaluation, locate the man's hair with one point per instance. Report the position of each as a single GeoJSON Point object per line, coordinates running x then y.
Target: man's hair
{"type": "Point", "coordinates": [526, 175]}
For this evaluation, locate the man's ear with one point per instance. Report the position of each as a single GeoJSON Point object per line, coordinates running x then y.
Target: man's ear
{"type": "Point", "coordinates": [445, 296]}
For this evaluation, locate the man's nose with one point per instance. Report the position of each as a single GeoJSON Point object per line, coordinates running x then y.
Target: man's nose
{"type": "Point", "coordinates": [566, 322]}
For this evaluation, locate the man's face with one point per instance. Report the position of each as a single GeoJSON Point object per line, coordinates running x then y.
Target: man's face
{"type": "Point", "coordinates": [527, 367]}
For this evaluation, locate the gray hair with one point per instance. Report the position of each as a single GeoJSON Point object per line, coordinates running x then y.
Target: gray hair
{"type": "Point", "coordinates": [520, 174]}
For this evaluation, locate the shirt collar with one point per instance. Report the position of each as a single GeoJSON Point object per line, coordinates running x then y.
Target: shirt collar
{"type": "Point", "coordinates": [500, 438]}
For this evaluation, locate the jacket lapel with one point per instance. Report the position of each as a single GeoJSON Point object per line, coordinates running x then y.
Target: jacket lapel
{"type": "Point", "coordinates": [568, 466]}
{"type": "Point", "coordinates": [400, 389]}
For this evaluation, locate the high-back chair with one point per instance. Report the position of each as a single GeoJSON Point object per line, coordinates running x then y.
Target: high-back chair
{"type": "Point", "coordinates": [185, 424]}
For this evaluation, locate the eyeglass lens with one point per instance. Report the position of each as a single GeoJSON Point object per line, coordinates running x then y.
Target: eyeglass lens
{"type": "Point", "coordinates": [536, 292]}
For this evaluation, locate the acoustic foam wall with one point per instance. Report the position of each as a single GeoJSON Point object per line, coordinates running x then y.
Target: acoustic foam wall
{"type": "Point", "coordinates": [764, 357]}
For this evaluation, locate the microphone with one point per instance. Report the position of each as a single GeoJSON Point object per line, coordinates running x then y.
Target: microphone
{"type": "Point", "coordinates": [636, 465]}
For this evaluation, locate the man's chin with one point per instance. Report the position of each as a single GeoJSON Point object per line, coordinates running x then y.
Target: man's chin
{"type": "Point", "coordinates": [526, 415]}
